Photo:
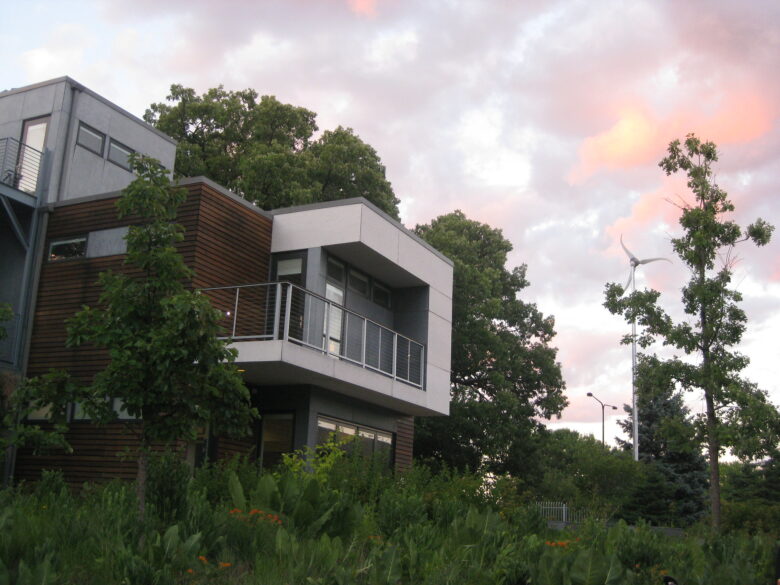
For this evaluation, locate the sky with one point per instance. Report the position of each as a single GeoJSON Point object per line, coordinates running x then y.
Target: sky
{"type": "Point", "coordinates": [545, 119]}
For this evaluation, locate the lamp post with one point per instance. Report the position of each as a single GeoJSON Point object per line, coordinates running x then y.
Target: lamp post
{"type": "Point", "coordinates": [603, 406]}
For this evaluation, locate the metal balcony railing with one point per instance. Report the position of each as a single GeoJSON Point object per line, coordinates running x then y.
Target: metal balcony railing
{"type": "Point", "coordinates": [20, 165]}
{"type": "Point", "coordinates": [284, 311]}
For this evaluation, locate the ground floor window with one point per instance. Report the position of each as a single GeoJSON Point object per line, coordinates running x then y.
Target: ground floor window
{"type": "Point", "coordinates": [369, 441]}
{"type": "Point", "coordinates": [276, 437]}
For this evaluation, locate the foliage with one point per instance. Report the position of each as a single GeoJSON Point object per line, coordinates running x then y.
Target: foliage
{"type": "Point", "coordinates": [504, 372]}
{"type": "Point", "coordinates": [266, 150]}
{"type": "Point", "coordinates": [293, 529]}
{"type": "Point", "coordinates": [579, 470]}
{"type": "Point", "coordinates": [167, 366]}
{"type": "Point", "coordinates": [674, 485]}
{"type": "Point", "coordinates": [51, 393]}
{"type": "Point", "coordinates": [736, 409]}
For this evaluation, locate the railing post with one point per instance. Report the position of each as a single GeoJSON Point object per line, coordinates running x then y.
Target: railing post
{"type": "Point", "coordinates": [395, 356]}
{"type": "Point", "coordinates": [235, 312]}
{"type": "Point", "coordinates": [365, 341]}
{"type": "Point", "coordinates": [327, 327]}
{"type": "Point", "coordinates": [287, 311]}
{"type": "Point", "coordinates": [277, 309]}
{"type": "Point", "coordinates": [565, 513]}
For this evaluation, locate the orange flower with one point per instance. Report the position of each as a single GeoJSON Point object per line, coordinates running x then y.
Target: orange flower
{"type": "Point", "coordinates": [190, 571]}
{"type": "Point", "coordinates": [203, 559]}
{"type": "Point", "coordinates": [235, 511]}
{"type": "Point", "coordinates": [225, 565]}
{"type": "Point", "coordinates": [255, 511]}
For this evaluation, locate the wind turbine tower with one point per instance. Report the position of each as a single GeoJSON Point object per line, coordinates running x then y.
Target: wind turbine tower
{"type": "Point", "coordinates": [635, 262]}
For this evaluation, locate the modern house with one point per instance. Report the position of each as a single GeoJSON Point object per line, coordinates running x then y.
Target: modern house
{"type": "Point", "coordinates": [58, 141]}
{"type": "Point", "coordinates": [341, 317]}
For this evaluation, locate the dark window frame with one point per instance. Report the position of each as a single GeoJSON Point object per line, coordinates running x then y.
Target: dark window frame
{"type": "Point", "coordinates": [115, 143]}
{"type": "Point", "coordinates": [89, 128]}
{"type": "Point", "coordinates": [67, 240]}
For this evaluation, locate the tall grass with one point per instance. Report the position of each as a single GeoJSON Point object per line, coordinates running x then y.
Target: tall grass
{"type": "Point", "coordinates": [329, 519]}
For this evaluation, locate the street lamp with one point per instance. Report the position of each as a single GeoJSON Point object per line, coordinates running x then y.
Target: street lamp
{"type": "Point", "coordinates": [603, 406]}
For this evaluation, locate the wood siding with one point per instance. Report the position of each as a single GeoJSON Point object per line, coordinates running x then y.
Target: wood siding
{"type": "Point", "coordinates": [225, 242]}
{"type": "Point", "coordinates": [404, 441]}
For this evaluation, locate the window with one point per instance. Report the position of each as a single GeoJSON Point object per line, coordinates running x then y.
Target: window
{"type": "Point", "coordinates": [39, 414]}
{"type": "Point", "coordinates": [119, 154]}
{"type": "Point", "coordinates": [66, 249]}
{"type": "Point", "coordinates": [276, 437]}
{"type": "Point", "coordinates": [370, 442]}
{"type": "Point", "coordinates": [335, 270]}
{"type": "Point", "coordinates": [121, 412]}
{"type": "Point", "coordinates": [91, 139]}
{"type": "Point", "coordinates": [381, 295]}
{"type": "Point", "coordinates": [358, 282]}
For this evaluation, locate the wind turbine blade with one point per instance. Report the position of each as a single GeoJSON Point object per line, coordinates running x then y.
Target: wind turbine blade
{"type": "Point", "coordinates": [625, 288]}
{"type": "Point", "coordinates": [630, 255]}
{"type": "Point", "coordinates": [648, 260]}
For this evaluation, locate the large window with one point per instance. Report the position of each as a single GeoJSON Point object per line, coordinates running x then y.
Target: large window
{"type": "Point", "coordinates": [91, 139]}
{"type": "Point", "coordinates": [369, 441]}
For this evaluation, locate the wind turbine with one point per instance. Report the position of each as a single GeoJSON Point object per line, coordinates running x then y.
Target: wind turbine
{"type": "Point", "coordinates": [635, 262]}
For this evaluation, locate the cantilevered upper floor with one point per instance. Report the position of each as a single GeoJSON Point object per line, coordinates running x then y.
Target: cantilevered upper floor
{"type": "Point", "coordinates": [337, 296]}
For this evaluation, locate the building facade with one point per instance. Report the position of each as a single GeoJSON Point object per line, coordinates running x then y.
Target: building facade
{"type": "Point", "coordinates": [340, 316]}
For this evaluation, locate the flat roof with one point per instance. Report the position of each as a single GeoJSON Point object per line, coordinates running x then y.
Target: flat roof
{"type": "Point", "coordinates": [72, 82]}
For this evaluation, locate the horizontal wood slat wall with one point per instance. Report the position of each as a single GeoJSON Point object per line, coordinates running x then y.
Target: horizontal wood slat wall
{"type": "Point", "coordinates": [404, 441]}
{"type": "Point", "coordinates": [225, 242]}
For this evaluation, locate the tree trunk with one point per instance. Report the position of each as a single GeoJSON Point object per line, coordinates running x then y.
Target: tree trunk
{"type": "Point", "coordinates": [713, 451]}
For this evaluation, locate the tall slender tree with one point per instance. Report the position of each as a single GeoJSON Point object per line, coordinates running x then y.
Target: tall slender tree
{"type": "Point", "coordinates": [716, 322]}
{"type": "Point", "coordinates": [168, 366]}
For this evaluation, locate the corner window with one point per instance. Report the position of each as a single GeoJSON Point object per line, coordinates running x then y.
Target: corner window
{"type": "Point", "coordinates": [91, 139]}
{"type": "Point", "coordinates": [119, 154]}
{"type": "Point", "coordinates": [370, 442]}
{"type": "Point", "coordinates": [66, 249]}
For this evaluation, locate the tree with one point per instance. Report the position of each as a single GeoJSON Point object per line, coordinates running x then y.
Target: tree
{"type": "Point", "coordinates": [266, 150]}
{"type": "Point", "coordinates": [734, 407]}
{"type": "Point", "coordinates": [580, 471]}
{"type": "Point", "coordinates": [504, 372]}
{"type": "Point", "coordinates": [674, 488]}
{"type": "Point", "coordinates": [168, 367]}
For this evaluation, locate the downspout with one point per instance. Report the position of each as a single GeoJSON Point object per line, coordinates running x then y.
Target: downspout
{"type": "Point", "coordinates": [64, 176]}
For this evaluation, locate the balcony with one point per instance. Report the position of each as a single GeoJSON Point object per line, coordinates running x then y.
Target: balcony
{"type": "Point", "coordinates": [20, 165]}
{"type": "Point", "coordinates": [282, 311]}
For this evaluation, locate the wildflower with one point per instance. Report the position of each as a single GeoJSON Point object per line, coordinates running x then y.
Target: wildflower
{"type": "Point", "coordinates": [203, 559]}
{"type": "Point", "coordinates": [190, 571]}
{"type": "Point", "coordinates": [235, 511]}
{"type": "Point", "coordinates": [225, 565]}
{"type": "Point", "coordinates": [255, 511]}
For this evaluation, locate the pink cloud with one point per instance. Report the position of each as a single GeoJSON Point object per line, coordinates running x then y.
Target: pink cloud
{"type": "Point", "coordinates": [639, 137]}
{"type": "Point", "coordinates": [363, 7]}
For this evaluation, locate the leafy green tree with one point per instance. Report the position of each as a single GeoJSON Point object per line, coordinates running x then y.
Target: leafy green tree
{"type": "Point", "coordinates": [735, 409]}
{"type": "Point", "coordinates": [168, 367]}
{"type": "Point", "coordinates": [674, 487]}
{"type": "Point", "coordinates": [504, 372]}
{"type": "Point", "coordinates": [266, 150]}
{"type": "Point", "coordinates": [582, 472]}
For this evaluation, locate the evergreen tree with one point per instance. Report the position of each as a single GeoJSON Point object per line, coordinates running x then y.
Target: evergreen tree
{"type": "Point", "coordinates": [673, 490]}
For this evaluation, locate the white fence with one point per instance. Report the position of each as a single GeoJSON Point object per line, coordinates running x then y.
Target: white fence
{"type": "Point", "coordinates": [561, 512]}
